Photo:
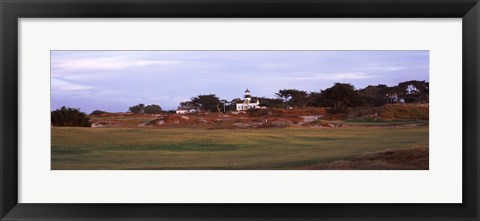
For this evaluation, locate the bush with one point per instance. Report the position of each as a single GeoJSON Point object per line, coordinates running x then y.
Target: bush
{"type": "Point", "coordinates": [137, 109]}
{"type": "Point", "coordinates": [70, 117]}
{"type": "Point", "coordinates": [98, 112]}
{"type": "Point", "coordinates": [152, 109]}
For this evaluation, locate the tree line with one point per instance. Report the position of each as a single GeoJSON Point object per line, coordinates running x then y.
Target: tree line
{"type": "Point", "coordinates": [339, 97]}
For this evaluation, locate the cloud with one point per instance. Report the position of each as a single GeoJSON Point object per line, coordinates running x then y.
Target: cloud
{"type": "Point", "coordinates": [331, 76]}
{"type": "Point", "coordinates": [68, 66]}
{"type": "Point", "coordinates": [87, 64]}
{"type": "Point", "coordinates": [61, 85]}
{"type": "Point", "coordinates": [379, 67]}
{"type": "Point", "coordinates": [159, 62]}
{"type": "Point", "coordinates": [347, 76]}
{"type": "Point", "coordinates": [86, 76]}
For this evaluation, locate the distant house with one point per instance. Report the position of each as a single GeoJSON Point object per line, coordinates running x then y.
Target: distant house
{"type": "Point", "coordinates": [185, 110]}
{"type": "Point", "coordinates": [248, 103]}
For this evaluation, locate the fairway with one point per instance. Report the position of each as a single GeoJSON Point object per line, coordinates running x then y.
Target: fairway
{"type": "Point", "coordinates": [185, 148]}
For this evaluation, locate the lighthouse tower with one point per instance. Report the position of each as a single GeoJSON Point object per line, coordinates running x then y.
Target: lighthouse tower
{"type": "Point", "coordinates": [247, 96]}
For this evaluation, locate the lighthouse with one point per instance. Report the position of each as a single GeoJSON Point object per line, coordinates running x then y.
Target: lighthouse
{"type": "Point", "coordinates": [248, 103]}
{"type": "Point", "coordinates": [247, 96]}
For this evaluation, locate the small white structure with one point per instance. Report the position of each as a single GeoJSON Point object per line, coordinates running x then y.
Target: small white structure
{"type": "Point", "coordinates": [185, 110]}
{"type": "Point", "coordinates": [248, 103]}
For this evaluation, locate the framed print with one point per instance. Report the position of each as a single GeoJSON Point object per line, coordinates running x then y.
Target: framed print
{"type": "Point", "coordinates": [222, 129]}
{"type": "Point", "coordinates": [239, 110]}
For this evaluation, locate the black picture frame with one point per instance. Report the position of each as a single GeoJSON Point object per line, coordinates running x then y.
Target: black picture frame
{"type": "Point", "coordinates": [12, 10]}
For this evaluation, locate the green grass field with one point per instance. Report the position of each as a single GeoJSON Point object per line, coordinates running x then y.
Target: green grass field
{"type": "Point", "coordinates": [184, 148]}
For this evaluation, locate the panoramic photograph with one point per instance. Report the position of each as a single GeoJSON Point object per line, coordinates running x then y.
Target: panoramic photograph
{"type": "Point", "coordinates": [240, 110]}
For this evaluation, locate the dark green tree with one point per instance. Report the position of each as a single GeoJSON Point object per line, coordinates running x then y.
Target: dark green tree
{"type": "Point", "coordinates": [70, 117]}
{"type": "Point", "coordinates": [284, 95]}
{"type": "Point", "coordinates": [271, 102]}
{"type": "Point", "coordinates": [137, 109]}
{"type": "Point", "coordinates": [315, 99]}
{"type": "Point", "coordinates": [208, 102]}
{"type": "Point", "coordinates": [293, 97]}
{"type": "Point", "coordinates": [341, 96]}
{"type": "Point", "coordinates": [98, 112]}
{"type": "Point", "coordinates": [152, 109]}
{"type": "Point", "coordinates": [374, 96]}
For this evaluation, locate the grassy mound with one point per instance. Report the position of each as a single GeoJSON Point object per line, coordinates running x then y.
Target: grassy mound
{"type": "Point", "coordinates": [415, 158]}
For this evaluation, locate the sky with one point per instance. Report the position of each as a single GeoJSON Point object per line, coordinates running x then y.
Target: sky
{"type": "Point", "coordinates": [115, 80]}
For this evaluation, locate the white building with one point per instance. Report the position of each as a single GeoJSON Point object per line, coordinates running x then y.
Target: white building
{"type": "Point", "coordinates": [248, 103]}
{"type": "Point", "coordinates": [185, 110]}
